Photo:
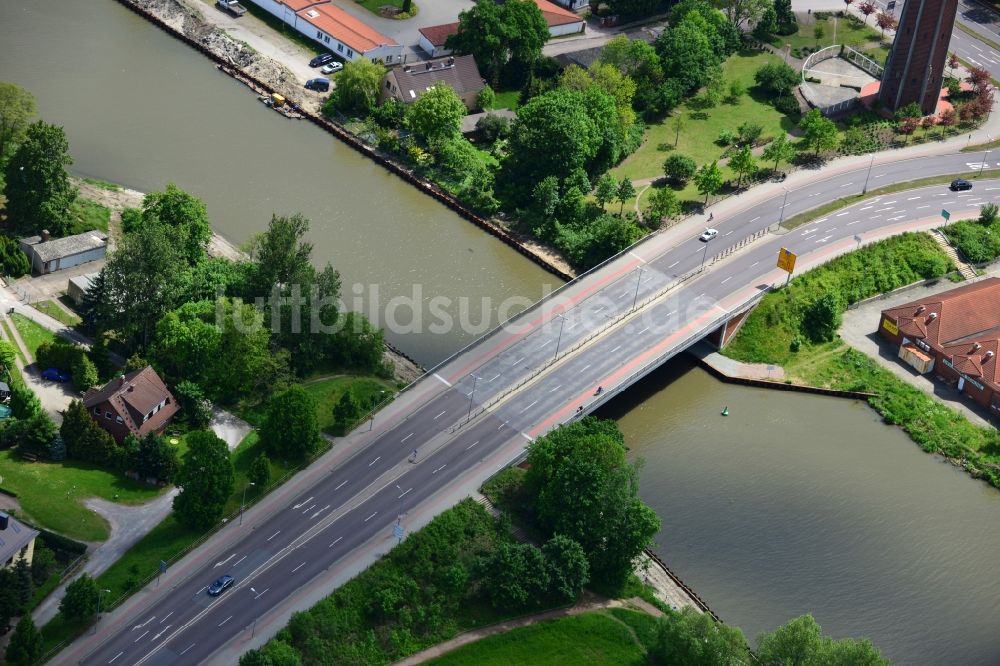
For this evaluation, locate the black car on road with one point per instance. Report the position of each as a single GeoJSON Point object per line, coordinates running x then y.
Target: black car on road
{"type": "Point", "coordinates": [321, 59]}
{"type": "Point", "coordinates": [221, 585]}
{"type": "Point", "coordinates": [960, 184]}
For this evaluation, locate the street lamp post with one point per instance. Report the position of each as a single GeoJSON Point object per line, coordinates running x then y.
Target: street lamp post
{"type": "Point", "coordinates": [244, 500]}
{"type": "Point", "coordinates": [562, 323]}
{"type": "Point", "coordinates": [864, 190]}
{"type": "Point", "coordinates": [784, 201]}
{"type": "Point", "coordinates": [254, 629]}
{"type": "Point", "coordinates": [475, 380]}
{"type": "Point", "coordinates": [100, 593]}
{"type": "Point", "coordinates": [983, 165]}
{"type": "Point", "coordinates": [399, 516]}
{"type": "Point", "coordinates": [704, 256]}
{"type": "Point", "coordinates": [371, 418]}
{"type": "Point", "coordinates": [638, 279]}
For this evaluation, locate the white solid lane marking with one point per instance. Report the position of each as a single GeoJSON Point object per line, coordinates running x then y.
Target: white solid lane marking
{"type": "Point", "coordinates": [319, 511]}
{"type": "Point", "coordinates": [822, 219]}
{"type": "Point", "coordinates": [441, 414]}
{"type": "Point", "coordinates": [867, 207]}
{"type": "Point", "coordinates": [584, 367]}
{"type": "Point", "coordinates": [854, 222]}
{"type": "Point", "coordinates": [298, 567]}
{"type": "Point", "coordinates": [754, 219]}
{"type": "Point", "coordinates": [925, 206]}
{"type": "Point", "coordinates": [404, 493]}
{"type": "Point", "coordinates": [493, 377]}
{"type": "Point", "coordinates": [140, 626]}
{"type": "Point", "coordinates": [406, 438]}
{"type": "Point", "coordinates": [636, 256]}
{"type": "Point", "coordinates": [528, 407]}
{"type": "Point", "coordinates": [547, 342]}
{"type": "Point", "coordinates": [501, 426]}
{"type": "Point", "coordinates": [616, 349]}
{"type": "Point", "coordinates": [674, 264]}
{"type": "Point", "coordinates": [842, 214]}
{"type": "Point", "coordinates": [596, 310]}
{"type": "Point", "coordinates": [439, 468]}
{"type": "Point", "coordinates": [375, 461]}
{"type": "Point", "coordinates": [226, 620]}
{"type": "Point", "coordinates": [308, 509]}
{"type": "Point", "coordinates": [443, 380]}
{"type": "Point", "coordinates": [371, 516]}
{"type": "Point", "coordinates": [912, 198]}
{"type": "Point", "coordinates": [120, 654]}
{"type": "Point", "coordinates": [844, 185]}
{"type": "Point", "coordinates": [171, 612]}
{"type": "Point", "coordinates": [471, 445]}
{"type": "Point", "coordinates": [754, 264]}
{"type": "Point", "coordinates": [302, 503]}
{"type": "Point", "coordinates": [555, 389]}
{"type": "Point", "coordinates": [162, 631]}
{"type": "Point", "coordinates": [517, 361]}
{"type": "Point", "coordinates": [187, 648]}
{"type": "Point", "coordinates": [334, 543]}
{"type": "Point", "coordinates": [672, 312]}
{"type": "Point", "coordinates": [643, 331]}
{"type": "Point", "coordinates": [342, 484]}
{"type": "Point", "coordinates": [235, 564]}
{"type": "Point", "coordinates": [146, 632]}
{"type": "Point", "coordinates": [274, 535]}
{"type": "Point", "coordinates": [832, 229]}
{"type": "Point", "coordinates": [728, 232]}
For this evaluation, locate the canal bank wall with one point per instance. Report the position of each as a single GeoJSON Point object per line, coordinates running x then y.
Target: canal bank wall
{"type": "Point", "coordinates": [240, 62]}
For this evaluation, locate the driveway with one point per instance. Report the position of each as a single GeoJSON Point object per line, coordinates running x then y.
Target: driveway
{"type": "Point", "coordinates": [229, 428]}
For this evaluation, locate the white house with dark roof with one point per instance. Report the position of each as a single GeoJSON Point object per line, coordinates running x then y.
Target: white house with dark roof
{"type": "Point", "coordinates": [47, 256]}
{"type": "Point", "coordinates": [17, 541]}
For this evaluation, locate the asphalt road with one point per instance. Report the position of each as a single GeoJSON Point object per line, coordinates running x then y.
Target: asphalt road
{"type": "Point", "coordinates": [365, 496]}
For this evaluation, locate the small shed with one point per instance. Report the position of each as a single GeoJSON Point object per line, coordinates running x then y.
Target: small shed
{"type": "Point", "coordinates": [78, 286]}
{"type": "Point", "coordinates": [48, 255]}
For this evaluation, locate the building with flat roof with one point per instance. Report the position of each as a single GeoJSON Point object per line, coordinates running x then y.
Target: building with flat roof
{"type": "Point", "coordinates": [330, 26]}
{"type": "Point", "coordinates": [17, 541]}
{"type": "Point", "coordinates": [409, 82]}
{"type": "Point", "coordinates": [955, 335]}
{"type": "Point", "coordinates": [46, 256]}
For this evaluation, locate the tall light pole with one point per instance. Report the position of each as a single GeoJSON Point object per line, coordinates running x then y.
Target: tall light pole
{"type": "Point", "coordinates": [562, 323]}
{"type": "Point", "coordinates": [784, 200]}
{"type": "Point", "coordinates": [100, 593]}
{"type": "Point", "coordinates": [399, 516]}
{"type": "Point", "coordinates": [475, 380]}
{"type": "Point", "coordinates": [704, 256]}
{"type": "Point", "coordinates": [864, 190]}
{"type": "Point", "coordinates": [254, 629]}
{"type": "Point", "coordinates": [983, 165]}
{"type": "Point", "coordinates": [244, 500]}
{"type": "Point", "coordinates": [371, 418]}
{"type": "Point", "coordinates": [638, 279]}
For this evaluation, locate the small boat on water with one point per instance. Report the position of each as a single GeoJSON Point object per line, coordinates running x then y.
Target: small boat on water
{"type": "Point", "coordinates": [725, 411]}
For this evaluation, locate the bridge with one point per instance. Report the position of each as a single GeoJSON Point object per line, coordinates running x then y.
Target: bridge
{"type": "Point", "coordinates": [475, 413]}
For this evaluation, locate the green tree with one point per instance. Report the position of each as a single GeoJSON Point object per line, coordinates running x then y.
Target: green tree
{"type": "Point", "coordinates": [687, 53]}
{"type": "Point", "coordinates": [677, 123]}
{"type": "Point", "coordinates": [585, 490]}
{"type": "Point", "coordinates": [185, 215]}
{"type": "Point", "coordinates": [709, 179]}
{"type": "Point", "coordinates": [290, 427]}
{"type": "Point", "coordinates": [744, 13]}
{"type": "Point", "coordinates": [607, 190]}
{"type": "Point", "coordinates": [818, 32]}
{"type": "Point", "coordinates": [516, 576]}
{"type": "Point", "coordinates": [800, 642]}
{"type": "Point", "coordinates": [84, 439]}
{"type": "Point", "coordinates": [22, 581]}
{"type": "Point", "coordinates": [568, 569]}
{"type": "Point", "coordinates": [39, 194]}
{"type": "Point", "coordinates": [819, 134]}
{"type": "Point", "coordinates": [205, 479]}
{"type": "Point", "coordinates": [501, 35]}
{"type": "Point", "coordinates": [84, 373]}
{"type": "Point", "coordinates": [767, 26]}
{"type": "Point", "coordinates": [156, 458]}
{"type": "Point", "coordinates": [776, 78]}
{"type": "Point", "coordinates": [346, 412]}
{"type": "Point", "coordinates": [486, 98]}
{"type": "Point", "coordinates": [822, 317]}
{"type": "Point", "coordinates": [695, 639]}
{"type": "Point", "coordinates": [358, 86]}
{"type": "Point", "coordinates": [13, 261]}
{"type": "Point", "coordinates": [744, 164]}
{"type": "Point", "coordinates": [779, 150]}
{"type": "Point", "coordinates": [624, 192]}
{"type": "Point", "coordinates": [259, 472]}
{"type": "Point", "coordinates": [10, 604]}
{"type": "Point", "coordinates": [663, 204]}
{"type": "Point", "coordinates": [26, 644]}
{"type": "Point", "coordinates": [17, 105]}
{"type": "Point", "coordinates": [437, 113]}
{"type": "Point", "coordinates": [80, 600]}
{"type": "Point", "coordinates": [195, 409]}
{"type": "Point", "coordinates": [785, 17]}
{"type": "Point", "coordinates": [679, 168]}
{"type": "Point", "coordinates": [23, 402]}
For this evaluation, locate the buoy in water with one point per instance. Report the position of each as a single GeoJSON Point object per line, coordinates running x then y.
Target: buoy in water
{"type": "Point", "coordinates": [725, 410]}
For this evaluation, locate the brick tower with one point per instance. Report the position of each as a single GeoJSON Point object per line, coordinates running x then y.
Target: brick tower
{"type": "Point", "coordinates": [915, 69]}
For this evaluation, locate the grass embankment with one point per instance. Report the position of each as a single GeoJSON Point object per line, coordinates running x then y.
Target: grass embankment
{"type": "Point", "coordinates": [31, 333]}
{"type": "Point", "coordinates": [8, 333]}
{"type": "Point", "coordinates": [51, 494]}
{"type": "Point", "coordinates": [836, 30]}
{"type": "Point", "coordinates": [598, 638]}
{"type": "Point", "coordinates": [52, 309]}
{"type": "Point", "coordinates": [776, 332]}
{"type": "Point", "coordinates": [843, 202]}
{"type": "Point", "coordinates": [87, 216]}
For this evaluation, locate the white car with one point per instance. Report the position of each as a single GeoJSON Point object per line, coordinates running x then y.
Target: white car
{"type": "Point", "coordinates": [334, 66]}
{"type": "Point", "coordinates": [708, 235]}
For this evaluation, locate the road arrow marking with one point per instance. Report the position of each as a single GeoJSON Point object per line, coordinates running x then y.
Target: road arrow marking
{"type": "Point", "coordinates": [219, 564]}
{"type": "Point", "coordinates": [320, 511]}
{"type": "Point", "coordinates": [301, 504]}
{"type": "Point", "coordinates": [157, 636]}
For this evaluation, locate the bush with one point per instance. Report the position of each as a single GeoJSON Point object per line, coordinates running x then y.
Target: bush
{"type": "Point", "coordinates": [679, 168]}
{"type": "Point", "coordinates": [727, 137]}
{"type": "Point", "coordinates": [978, 243]}
{"type": "Point", "coordinates": [786, 104]}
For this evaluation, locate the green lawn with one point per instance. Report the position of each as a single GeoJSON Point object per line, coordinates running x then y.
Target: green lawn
{"type": "Point", "coordinates": [53, 310]}
{"type": "Point", "coordinates": [701, 128]}
{"type": "Point", "coordinates": [88, 215]}
{"type": "Point", "coordinates": [591, 638]}
{"type": "Point", "coordinates": [368, 391]}
{"type": "Point", "coordinates": [374, 5]}
{"type": "Point", "coordinates": [835, 31]}
{"type": "Point", "coordinates": [52, 494]}
{"type": "Point", "coordinates": [10, 337]}
{"type": "Point", "coordinates": [103, 184]}
{"type": "Point", "coordinates": [507, 99]}
{"type": "Point", "coordinates": [33, 334]}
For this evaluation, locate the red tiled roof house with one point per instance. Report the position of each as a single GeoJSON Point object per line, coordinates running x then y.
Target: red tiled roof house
{"type": "Point", "coordinates": [137, 403]}
{"type": "Point", "coordinates": [955, 335]}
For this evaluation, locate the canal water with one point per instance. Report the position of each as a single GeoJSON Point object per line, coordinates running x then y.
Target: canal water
{"type": "Point", "coordinates": [792, 504]}
{"type": "Point", "coordinates": [142, 109]}
{"type": "Point", "coordinates": [796, 503]}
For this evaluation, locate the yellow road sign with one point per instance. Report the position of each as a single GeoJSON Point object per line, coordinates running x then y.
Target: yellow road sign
{"type": "Point", "coordinates": [786, 260]}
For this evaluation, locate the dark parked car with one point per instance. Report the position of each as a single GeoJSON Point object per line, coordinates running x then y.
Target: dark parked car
{"type": "Point", "coordinates": [319, 84]}
{"type": "Point", "coordinates": [960, 184]}
{"type": "Point", "coordinates": [321, 59]}
{"type": "Point", "coordinates": [55, 375]}
{"type": "Point", "coordinates": [221, 585]}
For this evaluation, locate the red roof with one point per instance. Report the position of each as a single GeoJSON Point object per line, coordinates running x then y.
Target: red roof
{"type": "Point", "coordinates": [437, 34]}
{"type": "Point", "coordinates": [963, 324]}
{"type": "Point", "coordinates": [299, 5]}
{"type": "Point", "coordinates": [340, 25]}
{"type": "Point", "coordinates": [556, 15]}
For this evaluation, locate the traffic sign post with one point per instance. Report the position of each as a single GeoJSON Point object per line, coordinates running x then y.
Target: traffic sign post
{"type": "Point", "coordinates": [398, 531]}
{"type": "Point", "coordinates": [946, 215]}
{"type": "Point", "coordinates": [786, 262]}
